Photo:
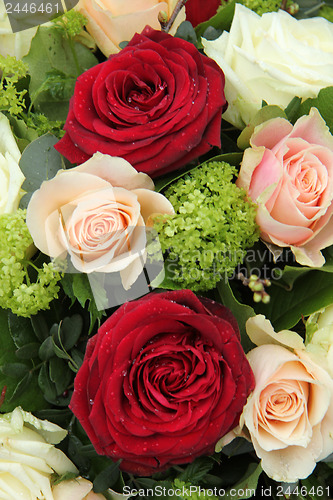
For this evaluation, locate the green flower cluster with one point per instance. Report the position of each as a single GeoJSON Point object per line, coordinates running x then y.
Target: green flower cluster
{"type": "Point", "coordinates": [71, 23]}
{"type": "Point", "coordinates": [12, 71]}
{"type": "Point", "coordinates": [213, 226]}
{"type": "Point", "coordinates": [263, 6]}
{"type": "Point", "coordinates": [18, 291]}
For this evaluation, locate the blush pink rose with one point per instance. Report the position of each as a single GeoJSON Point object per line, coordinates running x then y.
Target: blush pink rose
{"type": "Point", "coordinates": [288, 172]}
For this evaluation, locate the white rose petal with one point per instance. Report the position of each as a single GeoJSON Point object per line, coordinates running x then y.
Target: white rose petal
{"type": "Point", "coordinates": [272, 58]}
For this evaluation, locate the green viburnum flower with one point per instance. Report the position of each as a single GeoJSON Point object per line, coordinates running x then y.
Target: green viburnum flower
{"type": "Point", "coordinates": [189, 492]}
{"type": "Point", "coordinates": [213, 226]}
{"type": "Point", "coordinates": [12, 71]}
{"type": "Point", "coordinates": [17, 290]}
{"type": "Point", "coordinates": [71, 23]}
{"type": "Point", "coordinates": [263, 6]}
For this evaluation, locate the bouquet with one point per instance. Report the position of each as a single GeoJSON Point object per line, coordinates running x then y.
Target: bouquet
{"type": "Point", "coordinates": [166, 256]}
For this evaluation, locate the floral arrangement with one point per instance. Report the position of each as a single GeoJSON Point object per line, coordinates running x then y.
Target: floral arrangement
{"type": "Point", "coordinates": [166, 256]}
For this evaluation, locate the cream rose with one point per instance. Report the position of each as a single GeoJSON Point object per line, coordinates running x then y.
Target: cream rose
{"type": "Point", "coordinates": [28, 457]}
{"type": "Point", "coordinates": [97, 213]}
{"type": "Point", "coordinates": [288, 172]}
{"type": "Point", "coordinates": [78, 489]}
{"type": "Point", "coordinates": [289, 415]}
{"type": "Point", "coordinates": [13, 44]}
{"type": "Point", "coordinates": [113, 21]}
{"type": "Point", "coordinates": [11, 177]}
{"type": "Point", "coordinates": [273, 57]}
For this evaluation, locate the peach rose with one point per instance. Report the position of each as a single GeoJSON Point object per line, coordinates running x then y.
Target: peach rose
{"type": "Point", "coordinates": [288, 172]}
{"type": "Point", "coordinates": [113, 21]}
{"type": "Point", "coordinates": [96, 213]}
{"type": "Point", "coordinates": [289, 415]}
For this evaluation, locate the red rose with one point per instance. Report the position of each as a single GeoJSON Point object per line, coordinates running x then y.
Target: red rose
{"type": "Point", "coordinates": [198, 11]}
{"type": "Point", "coordinates": [157, 103]}
{"type": "Point", "coordinates": [164, 378]}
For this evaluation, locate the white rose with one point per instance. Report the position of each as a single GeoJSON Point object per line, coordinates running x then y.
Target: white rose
{"type": "Point", "coordinates": [13, 44]}
{"type": "Point", "coordinates": [11, 177]}
{"type": "Point", "coordinates": [28, 457]}
{"type": "Point", "coordinates": [272, 58]}
{"type": "Point", "coordinates": [289, 415]}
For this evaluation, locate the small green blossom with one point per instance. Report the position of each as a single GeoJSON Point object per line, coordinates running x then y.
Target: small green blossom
{"type": "Point", "coordinates": [18, 291]}
{"type": "Point", "coordinates": [213, 226]}
{"type": "Point", "coordinates": [12, 71]}
{"type": "Point", "coordinates": [71, 23]}
{"type": "Point", "coordinates": [42, 124]}
{"type": "Point", "coordinates": [263, 6]}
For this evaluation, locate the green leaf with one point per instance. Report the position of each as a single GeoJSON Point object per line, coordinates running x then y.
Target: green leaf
{"type": "Point", "coordinates": [241, 312]}
{"type": "Point", "coordinates": [292, 110]}
{"type": "Point", "coordinates": [197, 470]}
{"type": "Point", "coordinates": [20, 330]}
{"type": "Point", "coordinates": [222, 20]}
{"type": "Point", "coordinates": [21, 388]}
{"type": "Point", "coordinates": [46, 350]}
{"type": "Point", "coordinates": [247, 486]}
{"type": "Point", "coordinates": [14, 370]}
{"type": "Point", "coordinates": [266, 113]}
{"type": "Point", "coordinates": [50, 54]}
{"type": "Point", "coordinates": [107, 478]}
{"type": "Point", "coordinates": [324, 104]}
{"type": "Point", "coordinates": [186, 32]}
{"type": "Point", "coordinates": [60, 374]}
{"type": "Point", "coordinates": [82, 291]}
{"type": "Point", "coordinates": [40, 327]}
{"type": "Point", "coordinates": [71, 329]}
{"type": "Point", "coordinates": [39, 162]}
{"type": "Point", "coordinates": [310, 292]}
{"type": "Point", "coordinates": [45, 383]}
{"type": "Point", "coordinates": [30, 399]}
{"type": "Point", "coordinates": [28, 351]}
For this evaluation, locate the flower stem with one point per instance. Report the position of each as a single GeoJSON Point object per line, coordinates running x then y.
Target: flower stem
{"type": "Point", "coordinates": [180, 4]}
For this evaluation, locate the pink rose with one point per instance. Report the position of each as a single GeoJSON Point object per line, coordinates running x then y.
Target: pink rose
{"type": "Point", "coordinates": [288, 172]}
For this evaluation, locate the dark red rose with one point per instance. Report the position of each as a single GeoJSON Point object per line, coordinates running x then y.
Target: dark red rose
{"type": "Point", "coordinates": [157, 103]}
{"type": "Point", "coordinates": [198, 11]}
{"type": "Point", "coordinates": [163, 379]}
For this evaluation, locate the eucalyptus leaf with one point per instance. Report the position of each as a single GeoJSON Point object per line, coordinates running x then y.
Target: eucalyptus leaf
{"type": "Point", "coordinates": [40, 162]}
